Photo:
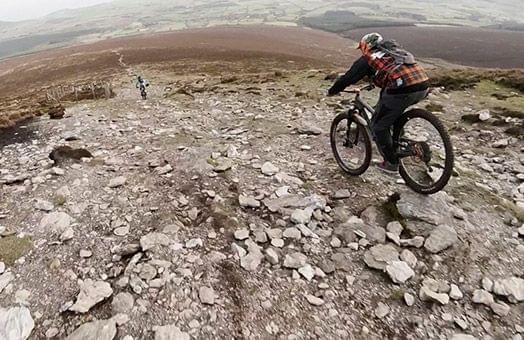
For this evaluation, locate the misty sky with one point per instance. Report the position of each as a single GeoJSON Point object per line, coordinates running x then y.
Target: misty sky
{"type": "Point", "coordinates": [15, 10]}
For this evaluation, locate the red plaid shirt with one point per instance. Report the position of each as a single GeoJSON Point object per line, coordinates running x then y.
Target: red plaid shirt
{"type": "Point", "coordinates": [390, 75]}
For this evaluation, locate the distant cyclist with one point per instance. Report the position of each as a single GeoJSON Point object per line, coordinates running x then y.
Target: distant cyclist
{"type": "Point", "coordinates": [142, 84]}
{"type": "Point", "coordinates": [403, 83]}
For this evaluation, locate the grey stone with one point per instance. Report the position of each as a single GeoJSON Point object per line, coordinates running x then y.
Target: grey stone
{"type": "Point", "coordinates": [399, 271]}
{"type": "Point", "coordinates": [461, 323]}
{"type": "Point", "coordinates": [408, 257]}
{"type": "Point", "coordinates": [222, 165]}
{"type": "Point", "coordinates": [271, 256]}
{"type": "Point", "coordinates": [117, 182]}
{"type": "Point", "coordinates": [487, 284]}
{"type": "Point", "coordinates": [277, 242]}
{"type": "Point", "coordinates": [484, 115]}
{"type": "Point", "coordinates": [295, 260]}
{"type": "Point", "coordinates": [380, 255]}
{"type": "Point", "coordinates": [164, 169]}
{"type": "Point", "coordinates": [315, 301]}
{"type": "Point", "coordinates": [123, 303]}
{"type": "Point", "coordinates": [415, 242]}
{"type": "Point", "coordinates": [52, 332]}
{"type": "Point", "coordinates": [434, 209]}
{"type": "Point", "coordinates": [269, 169]}
{"type": "Point", "coordinates": [460, 336]}
{"type": "Point", "coordinates": [5, 280]}
{"type": "Point", "coordinates": [207, 295]}
{"type": "Point", "coordinates": [368, 227]}
{"type": "Point", "coordinates": [382, 310]}
{"type": "Point", "coordinates": [395, 228]}
{"type": "Point", "coordinates": [301, 216]}
{"type": "Point", "coordinates": [241, 234]}
{"type": "Point", "coordinates": [44, 205]}
{"type": "Point", "coordinates": [482, 297]}
{"type": "Point", "coordinates": [342, 194]}
{"type": "Point", "coordinates": [307, 272]}
{"type": "Point", "coordinates": [121, 231]}
{"type": "Point", "coordinates": [16, 323]}
{"type": "Point", "coordinates": [248, 201]}
{"type": "Point", "coordinates": [500, 308]}
{"type": "Point", "coordinates": [260, 236]}
{"type": "Point", "coordinates": [455, 293]}
{"type": "Point", "coordinates": [56, 222]}
{"type": "Point", "coordinates": [91, 293]}
{"type": "Point", "coordinates": [194, 243]}
{"type": "Point", "coordinates": [309, 130]}
{"type": "Point", "coordinates": [292, 233]}
{"type": "Point", "coordinates": [254, 257]}
{"type": "Point", "coordinates": [409, 299]}
{"type": "Point", "coordinates": [441, 238]}
{"type": "Point", "coordinates": [512, 288]}
{"type": "Point", "coordinates": [426, 294]}
{"type": "Point", "coordinates": [152, 240]}
{"type": "Point", "coordinates": [274, 233]}
{"type": "Point", "coordinates": [96, 330]}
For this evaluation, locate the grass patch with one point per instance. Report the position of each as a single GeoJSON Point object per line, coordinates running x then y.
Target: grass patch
{"type": "Point", "coordinates": [59, 200]}
{"type": "Point", "coordinates": [397, 295]}
{"type": "Point", "coordinates": [12, 248]}
{"type": "Point", "coordinates": [460, 79]}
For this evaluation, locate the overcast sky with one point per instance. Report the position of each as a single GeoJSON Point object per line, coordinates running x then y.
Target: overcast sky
{"type": "Point", "coordinates": [15, 10]}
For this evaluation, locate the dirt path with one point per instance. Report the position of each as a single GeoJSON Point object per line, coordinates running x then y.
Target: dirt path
{"type": "Point", "coordinates": [179, 220]}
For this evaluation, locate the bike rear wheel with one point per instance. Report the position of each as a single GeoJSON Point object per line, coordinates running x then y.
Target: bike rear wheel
{"type": "Point", "coordinates": [425, 150]}
{"type": "Point", "coordinates": [351, 145]}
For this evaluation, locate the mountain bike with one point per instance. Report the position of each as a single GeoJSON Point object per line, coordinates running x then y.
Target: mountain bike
{"type": "Point", "coordinates": [143, 92]}
{"type": "Point", "coordinates": [422, 142]}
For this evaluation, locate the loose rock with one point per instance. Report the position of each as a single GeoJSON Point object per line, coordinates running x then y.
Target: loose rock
{"type": "Point", "coordinates": [399, 271]}
{"type": "Point", "coordinates": [91, 293]}
{"type": "Point", "coordinates": [16, 323]}
{"type": "Point", "coordinates": [97, 330]}
{"type": "Point", "coordinates": [441, 238]}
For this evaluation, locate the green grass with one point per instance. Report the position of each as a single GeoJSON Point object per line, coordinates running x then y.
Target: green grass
{"type": "Point", "coordinates": [12, 248]}
{"type": "Point", "coordinates": [502, 100]}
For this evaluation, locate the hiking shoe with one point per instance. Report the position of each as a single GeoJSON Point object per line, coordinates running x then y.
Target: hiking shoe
{"type": "Point", "coordinates": [388, 167]}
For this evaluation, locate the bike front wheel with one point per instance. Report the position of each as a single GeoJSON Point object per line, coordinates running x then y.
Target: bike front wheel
{"type": "Point", "coordinates": [425, 151]}
{"type": "Point", "coordinates": [351, 144]}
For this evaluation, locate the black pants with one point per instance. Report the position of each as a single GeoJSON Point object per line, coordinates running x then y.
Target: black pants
{"type": "Point", "coordinates": [388, 110]}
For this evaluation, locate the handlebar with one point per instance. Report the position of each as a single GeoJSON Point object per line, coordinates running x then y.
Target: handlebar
{"type": "Point", "coordinates": [368, 87]}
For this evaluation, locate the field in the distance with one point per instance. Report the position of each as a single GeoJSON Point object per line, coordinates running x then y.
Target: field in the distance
{"type": "Point", "coordinates": [461, 45]}
{"type": "Point", "coordinates": [296, 45]}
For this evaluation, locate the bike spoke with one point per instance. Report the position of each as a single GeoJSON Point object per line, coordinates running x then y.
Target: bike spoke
{"type": "Point", "coordinates": [424, 153]}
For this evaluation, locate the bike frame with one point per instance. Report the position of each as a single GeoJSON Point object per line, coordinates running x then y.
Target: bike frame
{"type": "Point", "coordinates": [363, 113]}
{"type": "Point", "coordinates": [362, 107]}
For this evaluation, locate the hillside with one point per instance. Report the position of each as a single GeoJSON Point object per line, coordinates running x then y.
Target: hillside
{"type": "Point", "coordinates": [215, 209]}
{"type": "Point", "coordinates": [126, 18]}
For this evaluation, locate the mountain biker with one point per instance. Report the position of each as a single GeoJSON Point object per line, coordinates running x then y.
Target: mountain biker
{"type": "Point", "coordinates": [403, 83]}
{"type": "Point", "coordinates": [141, 84]}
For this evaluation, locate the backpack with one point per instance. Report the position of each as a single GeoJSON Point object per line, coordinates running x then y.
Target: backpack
{"type": "Point", "coordinates": [400, 55]}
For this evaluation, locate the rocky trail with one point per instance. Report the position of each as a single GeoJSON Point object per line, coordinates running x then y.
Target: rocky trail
{"type": "Point", "coordinates": [214, 210]}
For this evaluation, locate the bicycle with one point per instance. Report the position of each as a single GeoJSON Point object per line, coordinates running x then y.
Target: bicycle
{"type": "Point", "coordinates": [417, 150]}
